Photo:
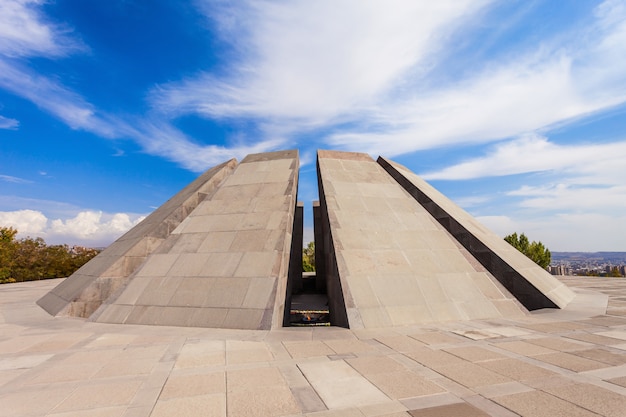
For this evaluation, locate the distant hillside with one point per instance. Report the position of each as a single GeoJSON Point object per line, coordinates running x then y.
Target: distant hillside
{"type": "Point", "coordinates": [600, 257]}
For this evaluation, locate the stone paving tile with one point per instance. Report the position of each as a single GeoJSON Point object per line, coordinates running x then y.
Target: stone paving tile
{"type": "Point", "coordinates": [435, 338]}
{"type": "Point", "coordinates": [499, 390]}
{"type": "Point", "coordinates": [475, 353]}
{"type": "Point", "coordinates": [192, 385]}
{"type": "Point", "coordinates": [66, 373]}
{"type": "Point", "coordinates": [98, 412]}
{"type": "Point", "coordinates": [434, 358]}
{"type": "Point", "coordinates": [349, 346]}
{"type": "Point", "coordinates": [517, 370]}
{"type": "Point", "coordinates": [591, 397]}
{"type": "Point", "coordinates": [617, 334]}
{"type": "Point", "coordinates": [198, 406]}
{"type": "Point", "coordinates": [556, 327]}
{"type": "Point", "coordinates": [602, 355]}
{"type": "Point", "coordinates": [126, 368]}
{"type": "Point", "coordinates": [202, 354]}
{"type": "Point", "coordinates": [262, 402]}
{"type": "Point", "coordinates": [541, 404]}
{"type": "Point", "coordinates": [34, 402]}
{"type": "Point", "coordinates": [605, 321]}
{"type": "Point", "coordinates": [471, 375]}
{"type": "Point", "coordinates": [459, 409]}
{"type": "Point", "coordinates": [429, 401]}
{"type": "Point", "coordinates": [307, 399]}
{"type": "Point", "coordinates": [307, 349]}
{"type": "Point", "coordinates": [403, 384]}
{"type": "Point", "coordinates": [101, 395]}
{"type": "Point", "coordinates": [339, 385]}
{"type": "Point", "coordinates": [523, 348]}
{"type": "Point", "coordinates": [59, 342]}
{"type": "Point", "coordinates": [593, 338]}
{"type": "Point", "coordinates": [401, 343]}
{"type": "Point", "coordinates": [23, 362]}
{"type": "Point", "coordinates": [619, 381]}
{"type": "Point", "coordinates": [340, 412]}
{"type": "Point", "coordinates": [390, 409]}
{"type": "Point", "coordinates": [571, 362]}
{"type": "Point", "coordinates": [375, 365]}
{"type": "Point", "coordinates": [558, 343]}
{"type": "Point", "coordinates": [8, 375]}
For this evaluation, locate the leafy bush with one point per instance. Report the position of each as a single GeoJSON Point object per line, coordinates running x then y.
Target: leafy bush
{"type": "Point", "coordinates": [31, 259]}
{"type": "Point", "coordinates": [536, 251]}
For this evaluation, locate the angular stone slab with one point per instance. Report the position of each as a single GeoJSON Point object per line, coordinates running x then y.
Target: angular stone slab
{"type": "Point", "coordinates": [83, 292]}
{"type": "Point", "coordinates": [227, 264]}
{"type": "Point", "coordinates": [388, 261]}
{"type": "Point", "coordinates": [533, 286]}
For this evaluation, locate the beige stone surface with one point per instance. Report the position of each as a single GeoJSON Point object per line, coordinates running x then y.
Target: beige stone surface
{"type": "Point", "coordinates": [339, 385]}
{"type": "Point", "coordinates": [197, 406]}
{"type": "Point", "coordinates": [99, 279]}
{"type": "Point", "coordinates": [550, 289]}
{"type": "Point", "coordinates": [572, 362]}
{"type": "Point", "coordinates": [413, 278]}
{"type": "Point", "coordinates": [459, 409]}
{"type": "Point", "coordinates": [541, 404]}
{"type": "Point", "coordinates": [64, 367]}
{"type": "Point", "coordinates": [591, 397]}
{"type": "Point", "coordinates": [225, 264]}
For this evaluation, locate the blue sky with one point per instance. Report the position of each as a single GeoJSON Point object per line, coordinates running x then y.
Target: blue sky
{"type": "Point", "coordinates": [516, 110]}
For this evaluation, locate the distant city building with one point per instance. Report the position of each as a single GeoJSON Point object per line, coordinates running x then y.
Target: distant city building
{"type": "Point", "coordinates": [560, 270]}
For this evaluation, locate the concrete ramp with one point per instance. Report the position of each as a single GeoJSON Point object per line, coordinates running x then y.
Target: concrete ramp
{"type": "Point", "coordinates": [83, 292]}
{"type": "Point", "coordinates": [388, 261]}
{"type": "Point", "coordinates": [226, 265]}
{"type": "Point", "coordinates": [533, 286]}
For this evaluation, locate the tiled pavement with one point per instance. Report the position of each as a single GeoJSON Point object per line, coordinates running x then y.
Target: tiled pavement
{"type": "Point", "coordinates": [565, 363]}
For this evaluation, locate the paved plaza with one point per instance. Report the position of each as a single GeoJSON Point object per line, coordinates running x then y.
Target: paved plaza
{"type": "Point", "coordinates": [569, 362]}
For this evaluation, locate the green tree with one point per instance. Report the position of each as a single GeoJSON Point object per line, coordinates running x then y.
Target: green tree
{"type": "Point", "coordinates": [31, 259]}
{"type": "Point", "coordinates": [308, 258]}
{"type": "Point", "coordinates": [7, 253]}
{"type": "Point", "coordinates": [536, 251]}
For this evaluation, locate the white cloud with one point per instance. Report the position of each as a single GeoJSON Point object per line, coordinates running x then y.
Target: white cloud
{"type": "Point", "coordinates": [87, 227]}
{"type": "Point", "coordinates": [27, 222]}
{"type": "Point", "coordinates": [10, 124]}
{"type": "Point", "coordinates": [24, 31]}
{"type": "Point", "coordinates": [564, 197]}
{"type": "Point", "coordinates": [366, 74]}
{"type": "Point", "coordinates": [56, 99]}
{"type": "Point", "coordinates": [161, 138]}
{"type": "Point", "coordinates": [584, 163]}
{"type": "Point", "coordinates": [312, 63]}
{"type": "Point", "coordinates": [15, 180]}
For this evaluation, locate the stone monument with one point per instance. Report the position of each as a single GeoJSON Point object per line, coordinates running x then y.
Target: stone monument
{"type": "Point", "coordinates": [225, 252]}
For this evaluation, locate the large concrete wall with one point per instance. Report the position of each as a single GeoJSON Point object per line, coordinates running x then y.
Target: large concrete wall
{"type": "Point", "coordinates": [226, 265]}
{"type": "Point", "coordinates": [82, 293]}
{"type": "Point", "coordinates": [533, 286]}
{"type": "Point", "coordinates": [388, 261]}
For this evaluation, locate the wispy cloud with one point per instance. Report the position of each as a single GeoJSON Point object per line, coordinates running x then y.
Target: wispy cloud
{"type": "Point", "coordinates": [10, 124]}
{"type": "Point", "coordinates": [368, 78]}
{"type": "Point", "coordinates": [25, 31]}
{"type": "Point", "coordinates": [586, 163]}
{"type": "Point", "coordinates": [313, 63]}
{"type": "Point", "coordinates": [16, 180]}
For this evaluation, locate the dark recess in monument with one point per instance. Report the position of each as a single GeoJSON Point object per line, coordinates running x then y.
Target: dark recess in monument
{"type": "Point", "coordinates": [306, 302]}
{"type": "Point", "coordinates": [525, 292]}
